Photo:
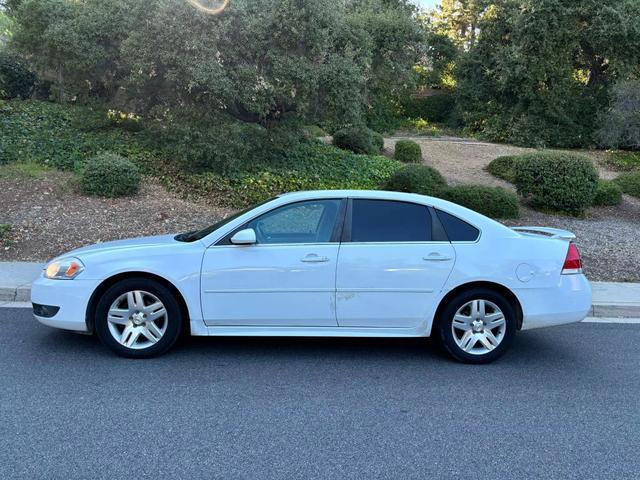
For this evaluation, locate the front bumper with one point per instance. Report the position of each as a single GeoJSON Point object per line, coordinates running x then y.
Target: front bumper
{"type": "Point", "coordinates": [568, 302]}
{"type": "Point", "coordinates": [72, 296]}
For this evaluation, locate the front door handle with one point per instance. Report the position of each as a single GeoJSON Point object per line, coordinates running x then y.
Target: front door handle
{"type": "Point", "coordinates": [436, 257]}
{"type": "Point", "coordinates": [314, 258]}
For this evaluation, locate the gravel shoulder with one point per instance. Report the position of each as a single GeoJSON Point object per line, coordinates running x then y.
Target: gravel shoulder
{"type": "Point", "coordinates": [608, 237]}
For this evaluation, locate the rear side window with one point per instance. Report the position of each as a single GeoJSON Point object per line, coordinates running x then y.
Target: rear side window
{"type": "Point", "coordinates": [387, 221]}
{"type": "Point", "coordinates": [457, 230]}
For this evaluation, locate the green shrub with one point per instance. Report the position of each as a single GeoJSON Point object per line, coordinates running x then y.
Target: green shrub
{"type": "Point", "coordinates": [378, 141]}
{"type": "Point", "coordinates": [60, 135]}
{"type": "Point", "coordinates": [559, 181]}
{"type": "Point", "coordinates": [620, 123]}
{"type": "Point", "coordinates": [314, 131]}
{"type": "Point", "coordinates": [110, 175]}
{"type": "Point", "coordinates": [359, 140]}
{"type": "Point", "coordinates": [309, 166]}
{"type": "Point", "coordinates": [503, 167]}
{"type": "Point", "coordinates": [434, 108]}
{"type": "Point", "coordinates": [629, 183]}
{"type": "Point", "coordinates": [608, 193]}
{"type": "Point", "coordinates": [494, 202]}
{"type": "Point", "coordinates": [622, 161]}
{"type": "Point", "coordinates": [16, 80]}
{"type": "Point", "coordinates": [417, 178]}
{"type": "Point", "coordinates": [408, 151]}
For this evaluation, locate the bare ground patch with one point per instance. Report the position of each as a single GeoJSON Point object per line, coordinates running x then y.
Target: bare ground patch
{"type": "Point", "coordinates": [48, 217]}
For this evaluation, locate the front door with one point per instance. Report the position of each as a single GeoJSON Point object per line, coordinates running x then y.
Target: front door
{"type": "Point", "coordinates": [286, 279]}
{"type": "Point", "coordinates": [390, 269]}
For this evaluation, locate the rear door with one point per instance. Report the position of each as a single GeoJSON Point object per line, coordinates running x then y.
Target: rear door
{"type": "Point", "coordinates": [391, 265]}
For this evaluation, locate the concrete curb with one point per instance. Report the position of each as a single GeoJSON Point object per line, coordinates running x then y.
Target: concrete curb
{"type": "Point", "coordinates": [610, 299]}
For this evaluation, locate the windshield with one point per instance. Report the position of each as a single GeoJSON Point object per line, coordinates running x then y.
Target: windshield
{"type": "Point", "coordinates": [200, 234]}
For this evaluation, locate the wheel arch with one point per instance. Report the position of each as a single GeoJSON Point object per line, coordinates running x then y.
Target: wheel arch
{"type": "Point", "coordinates": [109, 282]}
{"type": "Point", "coordinates": [506, 292]}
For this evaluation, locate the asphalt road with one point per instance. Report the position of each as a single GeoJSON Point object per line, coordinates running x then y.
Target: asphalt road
{"type": "Point", "coordinates": [564, 403]}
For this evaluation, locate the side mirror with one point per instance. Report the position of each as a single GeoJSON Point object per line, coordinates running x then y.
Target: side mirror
{"type": "Point", "coordinates": [244, 237]}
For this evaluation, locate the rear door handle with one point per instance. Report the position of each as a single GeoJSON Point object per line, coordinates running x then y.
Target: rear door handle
{"type": "Point", "coordinates": [436, 257]}
{"type": "Point", "coordinates": [314, 258]}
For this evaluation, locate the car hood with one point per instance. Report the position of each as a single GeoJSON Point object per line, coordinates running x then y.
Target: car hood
{"type": "Point", "coordinates": [131, 243]}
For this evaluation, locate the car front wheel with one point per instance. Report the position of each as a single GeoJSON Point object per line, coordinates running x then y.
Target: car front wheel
{"type": "Point", "coordinates": [477, 326]}
{"type": "Point", "coordinates": [138, 318]}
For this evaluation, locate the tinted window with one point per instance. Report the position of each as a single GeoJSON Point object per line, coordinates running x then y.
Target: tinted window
{"type": "Point", "coordinates": [303, 222]}
{"type": "Point", "coordinates": [385, 221]}
{"type": "Point", "coordinates": [458, 230]}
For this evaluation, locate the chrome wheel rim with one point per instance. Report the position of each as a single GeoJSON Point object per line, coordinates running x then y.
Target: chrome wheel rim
{"type": "Point", "coordinates": [478, 327]}
{"type": "Point", "coordinates": [137, 319]}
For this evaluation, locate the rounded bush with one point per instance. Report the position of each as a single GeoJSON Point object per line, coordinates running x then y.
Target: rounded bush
{"type": "Point", "coordinates": [16, 80]}
{"type": "Point", "coordinates": [494, 202]}
{"type": "Point", "coordinates": [417, 179]}
{"type": "Point", "coordinates": [503, 167]}
{"type": "Point", "coordinates": [110, 175]}
{"type": "Point", "coordinates": [629, 183]}
{"type": "Point", "coordinates": [559, 181]}
{"type": "Point", "coordinates": [408, 151]}
{"type": "Point", "coordinates": [608, 193]}
{"type": "Point", "coordinates": [377, 140]}
{"type": "Point", "coordinates": [359, 140]}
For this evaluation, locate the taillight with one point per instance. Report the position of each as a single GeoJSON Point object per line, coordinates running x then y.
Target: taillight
{"type": "Point", "coordinates": [573, 262]}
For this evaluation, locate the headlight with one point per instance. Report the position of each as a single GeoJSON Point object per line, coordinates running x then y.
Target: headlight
{"type": "Point", "coordinates": [64, 269]}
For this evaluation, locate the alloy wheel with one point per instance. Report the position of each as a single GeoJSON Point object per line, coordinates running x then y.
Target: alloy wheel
{"type": "Point", "coordinates": [137, 319]}
{"type": "Point", "coordinates": [478, 327]}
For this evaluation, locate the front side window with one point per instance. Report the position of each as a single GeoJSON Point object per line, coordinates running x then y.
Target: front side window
{"type": "Point", "coordinates": [304, 222]}
{"type": "Point", "coordinates": [389, 221]}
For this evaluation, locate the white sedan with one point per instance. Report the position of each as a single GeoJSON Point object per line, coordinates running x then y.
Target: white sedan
{"type": "Point", "coordinates": [323, 264]}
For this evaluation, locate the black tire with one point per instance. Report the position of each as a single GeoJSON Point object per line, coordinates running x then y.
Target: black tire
{"type": "Point", "coordinates": [445, 334]}
{"type": "Point", "coordinates": [173, 317]}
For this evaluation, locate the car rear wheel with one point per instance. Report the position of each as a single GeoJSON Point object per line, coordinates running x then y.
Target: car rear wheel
{"type": "Point", "coordinates": [138, 318]}
{"type": "Point", "coordinates": [477, 326]}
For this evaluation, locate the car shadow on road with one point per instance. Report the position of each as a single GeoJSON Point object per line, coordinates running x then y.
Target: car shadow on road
{"type": "Point", "coordinates": [527, 349]}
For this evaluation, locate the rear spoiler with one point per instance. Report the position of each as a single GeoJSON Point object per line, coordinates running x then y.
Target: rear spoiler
{"type": "Point", "coordinates": [554, 233]}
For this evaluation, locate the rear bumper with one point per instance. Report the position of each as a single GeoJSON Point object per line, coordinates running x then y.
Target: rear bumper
{"type": "Point", "coordinates": [72, 298]}
{"type": "Point", "coordinates": [568, 302]}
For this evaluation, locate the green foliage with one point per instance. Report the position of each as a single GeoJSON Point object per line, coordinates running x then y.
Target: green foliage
{"type": "Point", "coordinates": [23, 170]}
{"type": "Point", "coordinates": [16, 80]}
{"type": "Point", "coordinates": [433, 108]}
{"type": "Point", "coordinates": [620, 123]}
{"type": "Point", "coordinates": [629, 183]}
{"type": "Point", "coordinates": [62, 135]}
{"type": "Point", "coordinates": [261, 61]}
{"type": "Point", "coordinates": [110, 175]}
{"type": "Point", "coordinates": [417, 178]}
{"type": "Point", "coordinates": [494, 202]}
{"type": "Point", "coordinates": [420, 126]}
{"type": "Point", "coordinates": [314, 131]}
{"type": "Point", "coordinates": [503, 167]}
{"type": "Point", "coordinates": [306, 167]}
{"type": "Point", "coordinates": [5, 235]}
{"type": "Point", "coordinates": [408, 151]}
{"type": "Point", "coordinates": [359, 140]}
{"type": "Point", "coordinates": [608, 193]}
{"type": "Point", "coordinates": [558, 181]}
{"type": "Point", "coordinates": [623, 161]}
{"type": "Point", "coordinates": [224, 147]}
{"type": "Point", "coordinates": [539, 72]}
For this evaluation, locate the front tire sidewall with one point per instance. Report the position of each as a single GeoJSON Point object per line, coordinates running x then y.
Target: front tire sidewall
{"type": "Point", "coordinates": [174, 317]}
{"type": "Point", "coordinates": [445, 334]}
